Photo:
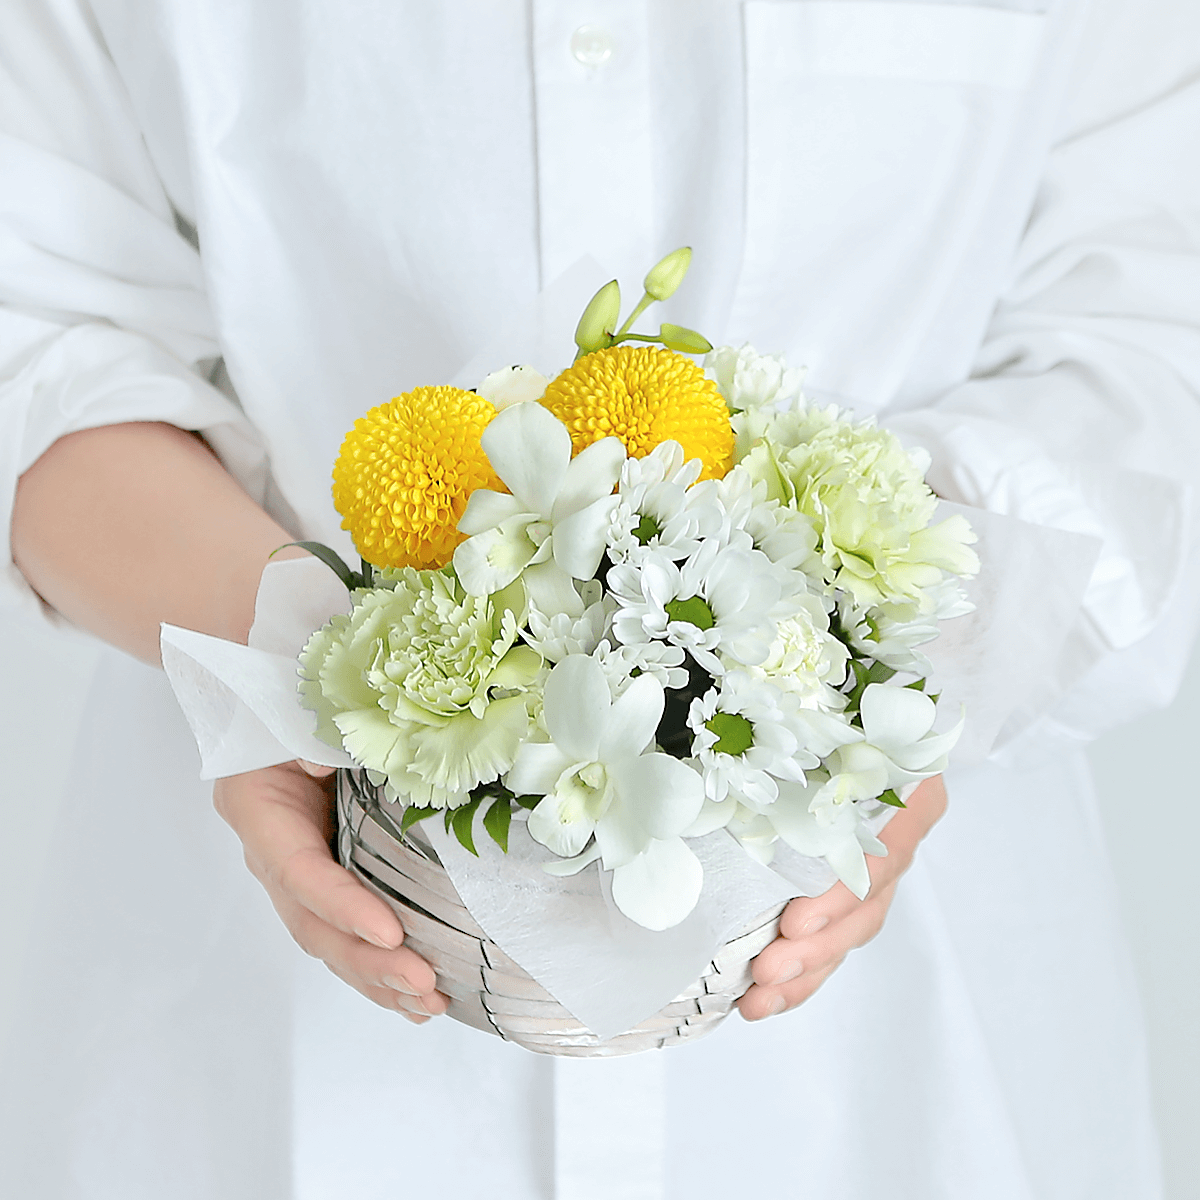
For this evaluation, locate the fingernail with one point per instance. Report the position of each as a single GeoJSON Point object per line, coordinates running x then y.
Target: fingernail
{"type": "Point", "coordinates": [788, 971]}
{"type": "Point", "coordinates": [813, 926]}
{"type": "Point", "coordinates": [777, 1005]}
{"type": "Point", "coordinates": [375, 939]}
{"type": "Point", "coordinates": [399, 984]}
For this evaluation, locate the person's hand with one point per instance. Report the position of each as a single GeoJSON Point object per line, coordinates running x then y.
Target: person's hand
{"type": "Point", "coordinates": [816, 934]}
{"type": "Point", "coordinates": [284, 817]}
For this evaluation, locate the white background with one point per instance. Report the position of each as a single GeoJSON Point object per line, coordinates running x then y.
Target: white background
{"type": "Point", "coordinates": [1146, 777]}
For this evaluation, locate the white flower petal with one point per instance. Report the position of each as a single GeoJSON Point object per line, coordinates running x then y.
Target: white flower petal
{"type": "Point", "coordinates": [580, 538]}
{"type": "Point", "coordinates": [633, 719]}
{"type": "Point", "coordinates": [492, 560]}
{"type": "Point", "coordinates": [660, 887]}
{"type": "Point", "coordinates": [847, 859]}
{"type": "Point", "coordinates": [572, 866]}
{"type": "Point", "coordinates": [576, 706]}
{"type": "Point", "coordinates": [536, 769]}
{"type": "Point", "coordinates": [530, 449]}
{"type": "Point", "coordinates": [593, 472]}
{"type": "Point", "coordinates": [895, 717]}
{"type": "Point", "coordinates": [486, 509]}
{"type": "Point", "coordinates": [560, 828]}
{"type": "Point", "coordinates": [665, 793]}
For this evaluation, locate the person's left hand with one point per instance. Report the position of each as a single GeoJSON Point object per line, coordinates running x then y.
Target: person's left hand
{"type": "Point", "coordinates": [816, 934]}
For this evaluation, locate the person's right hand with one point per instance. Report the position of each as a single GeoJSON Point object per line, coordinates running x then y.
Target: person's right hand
{"type": "Point", "coordinates": [284, 816]}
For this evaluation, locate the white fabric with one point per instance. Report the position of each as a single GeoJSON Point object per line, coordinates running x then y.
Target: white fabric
{"type": "Point", "coordinates": [999, 253]}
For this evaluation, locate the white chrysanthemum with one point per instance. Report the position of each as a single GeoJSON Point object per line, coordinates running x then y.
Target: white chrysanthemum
{"type": "Point", "coordinates": [743, 740]}
{"type": "Point", "coordinates": [622, 664]}
{"type": "Point", "coordinates": [717, 599]}
{"type": "Point", "coordinates": [425, 685]}
{"type": "Point", "coordinates": [749, 380]}
{"type": "Point", "coordinates": [559, 634]}
{"type": "Point", "coordinates": [658, 509]}
{"type": "Point", "coordinates": [867, 498]}
{"type": "Point", "coordinates": [805, 659]}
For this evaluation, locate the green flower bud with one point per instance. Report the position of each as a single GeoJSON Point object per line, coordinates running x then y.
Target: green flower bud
{"type": "Point", "coordinates": [599, 318]}
{"type": "Point", "coordinates": [686, 341]}
{"type": "Point", "coordinates": [667, 275]}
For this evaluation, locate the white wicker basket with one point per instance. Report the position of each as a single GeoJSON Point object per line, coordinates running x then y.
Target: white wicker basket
{"type": "Point", "coordinates": [486, 988]}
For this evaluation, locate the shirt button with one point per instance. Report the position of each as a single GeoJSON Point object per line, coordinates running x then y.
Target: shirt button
{"type": "Point", "coordinates": [591, 45]}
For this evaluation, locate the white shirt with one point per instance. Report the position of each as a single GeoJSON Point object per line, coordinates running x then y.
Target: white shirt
{"type": "Point", "coordinates": [980, 221]}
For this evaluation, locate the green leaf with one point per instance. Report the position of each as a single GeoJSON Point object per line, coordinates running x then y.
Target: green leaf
{"type": "Point", "coordinates": [462, 821]}
{"type": "Point", "coordinates": [917, 685]}
{"type": "Point", "coordinates": [529, 802]}
{"type": "Point", "coordinates": [351, 579]}
{"type": "Point", "coordinates": [497, 820]}
{"type": "Point", "coordinates": [890, 797]}
{"type": "Point", "coordinates": [449, 818]}
{"type": "Point", "coordinates": [412, 814]}
{"type": "Point", "coordinates": [880, 673]}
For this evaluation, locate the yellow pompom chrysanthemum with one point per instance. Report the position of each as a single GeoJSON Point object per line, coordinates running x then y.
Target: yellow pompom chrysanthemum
{"type": "Point", "coordinates": [406, 471]}
{"type": "Point", "coordinates": [644, 396]}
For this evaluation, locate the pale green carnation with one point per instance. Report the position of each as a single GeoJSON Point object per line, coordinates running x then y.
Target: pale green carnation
{"type": "Point", "coordinates": [867, 498]}
{"type": "Point", "coordinates": [424, 685]}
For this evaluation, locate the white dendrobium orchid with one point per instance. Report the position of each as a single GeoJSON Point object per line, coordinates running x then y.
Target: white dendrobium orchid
{"type": "Point", "coordinates": [898, 746]}
{"type": "Point", "coordinates": [599, 779]}
{"type": "Point", "coordinates": [559, 507]}
{"type": "Point", "coordinates": [718, 599]}
{"type": "Point", "coordinates": [838, 832]}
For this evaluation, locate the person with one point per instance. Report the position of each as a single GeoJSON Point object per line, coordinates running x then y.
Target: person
{"type": "Point", "coordinates": [228, 230]}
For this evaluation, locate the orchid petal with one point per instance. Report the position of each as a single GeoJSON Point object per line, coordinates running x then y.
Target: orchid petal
{"type": "Point", "coordinates": [666, 794]}
{"type": "Point", "coordinates": [530, 449]}
{"type": "Point", "coordinates": [558, 828]}
{"type": "Point", "coordinates": [660, 887]}
{"type": "Point", "coordinates": [572, 866]}
{"type": "Point", "coordinates": [633, 719]}
{"type": "Point", "coordinates": [848, 862]}
{"type": "Point", "coordinates": [593, 472]}
{"type": "Point", "coordinates": [551, 590]}
{"type": "Point", "coordinates": [580, 538]}
{"type": "Point", "coordinates": [487, 509]}
{"type": "Point", "coordinates": [492, 560]}
{"type": "Point", "coordinates": [894, 718]}
{"type": "Point", "coordinates": [577, 703]}
{"type": "Point", "coordinates": [536, 769]}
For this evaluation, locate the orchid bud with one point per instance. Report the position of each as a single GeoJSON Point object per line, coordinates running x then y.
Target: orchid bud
{"type": "Point", "coordinates": [667, 275]}
{"type": "Point", "coordinates": [599, 318]}
{"type": "Point", "coordinates": [686, 341]}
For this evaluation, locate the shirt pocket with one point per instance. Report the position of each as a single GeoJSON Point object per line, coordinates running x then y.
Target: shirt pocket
{"type": "Point", "coordinates": [874, 133]}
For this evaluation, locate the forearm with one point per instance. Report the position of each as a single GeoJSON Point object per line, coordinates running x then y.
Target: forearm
{"type": "Point", "coordinates": [124, 526]}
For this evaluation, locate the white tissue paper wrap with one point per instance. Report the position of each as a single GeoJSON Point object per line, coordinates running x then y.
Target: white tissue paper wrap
{"type": "Point", "coordinates": [243, 705]}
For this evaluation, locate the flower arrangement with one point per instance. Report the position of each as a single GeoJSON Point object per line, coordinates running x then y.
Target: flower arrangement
{"type": "Point", "coordinates": [636, 603]}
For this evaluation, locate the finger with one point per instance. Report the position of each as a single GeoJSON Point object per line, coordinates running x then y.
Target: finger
{"type": "Point", "coordinates": [385, 998]}
{"type": "Point", "coordinates": [787, 958]}
{"type": "Point", "coordinates": [400, 970]}
{"type": "Point", "coordinates": [287, 851]}
{"type": "Point", "coordinates": [760, 1002]}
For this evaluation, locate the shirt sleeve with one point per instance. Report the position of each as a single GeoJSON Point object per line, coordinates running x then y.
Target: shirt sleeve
{"type": "Point", "coordinates": [103, 314]}
{"type": "Point", "coordinates": [1082, 409]}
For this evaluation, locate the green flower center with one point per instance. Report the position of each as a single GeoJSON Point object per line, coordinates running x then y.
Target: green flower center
{"type": "Point", "coordinates": [647, 528]}
{"type": "Point", "coordinates": [735, 735]}
{"type": "Point", "coordinates": [692, 611]}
